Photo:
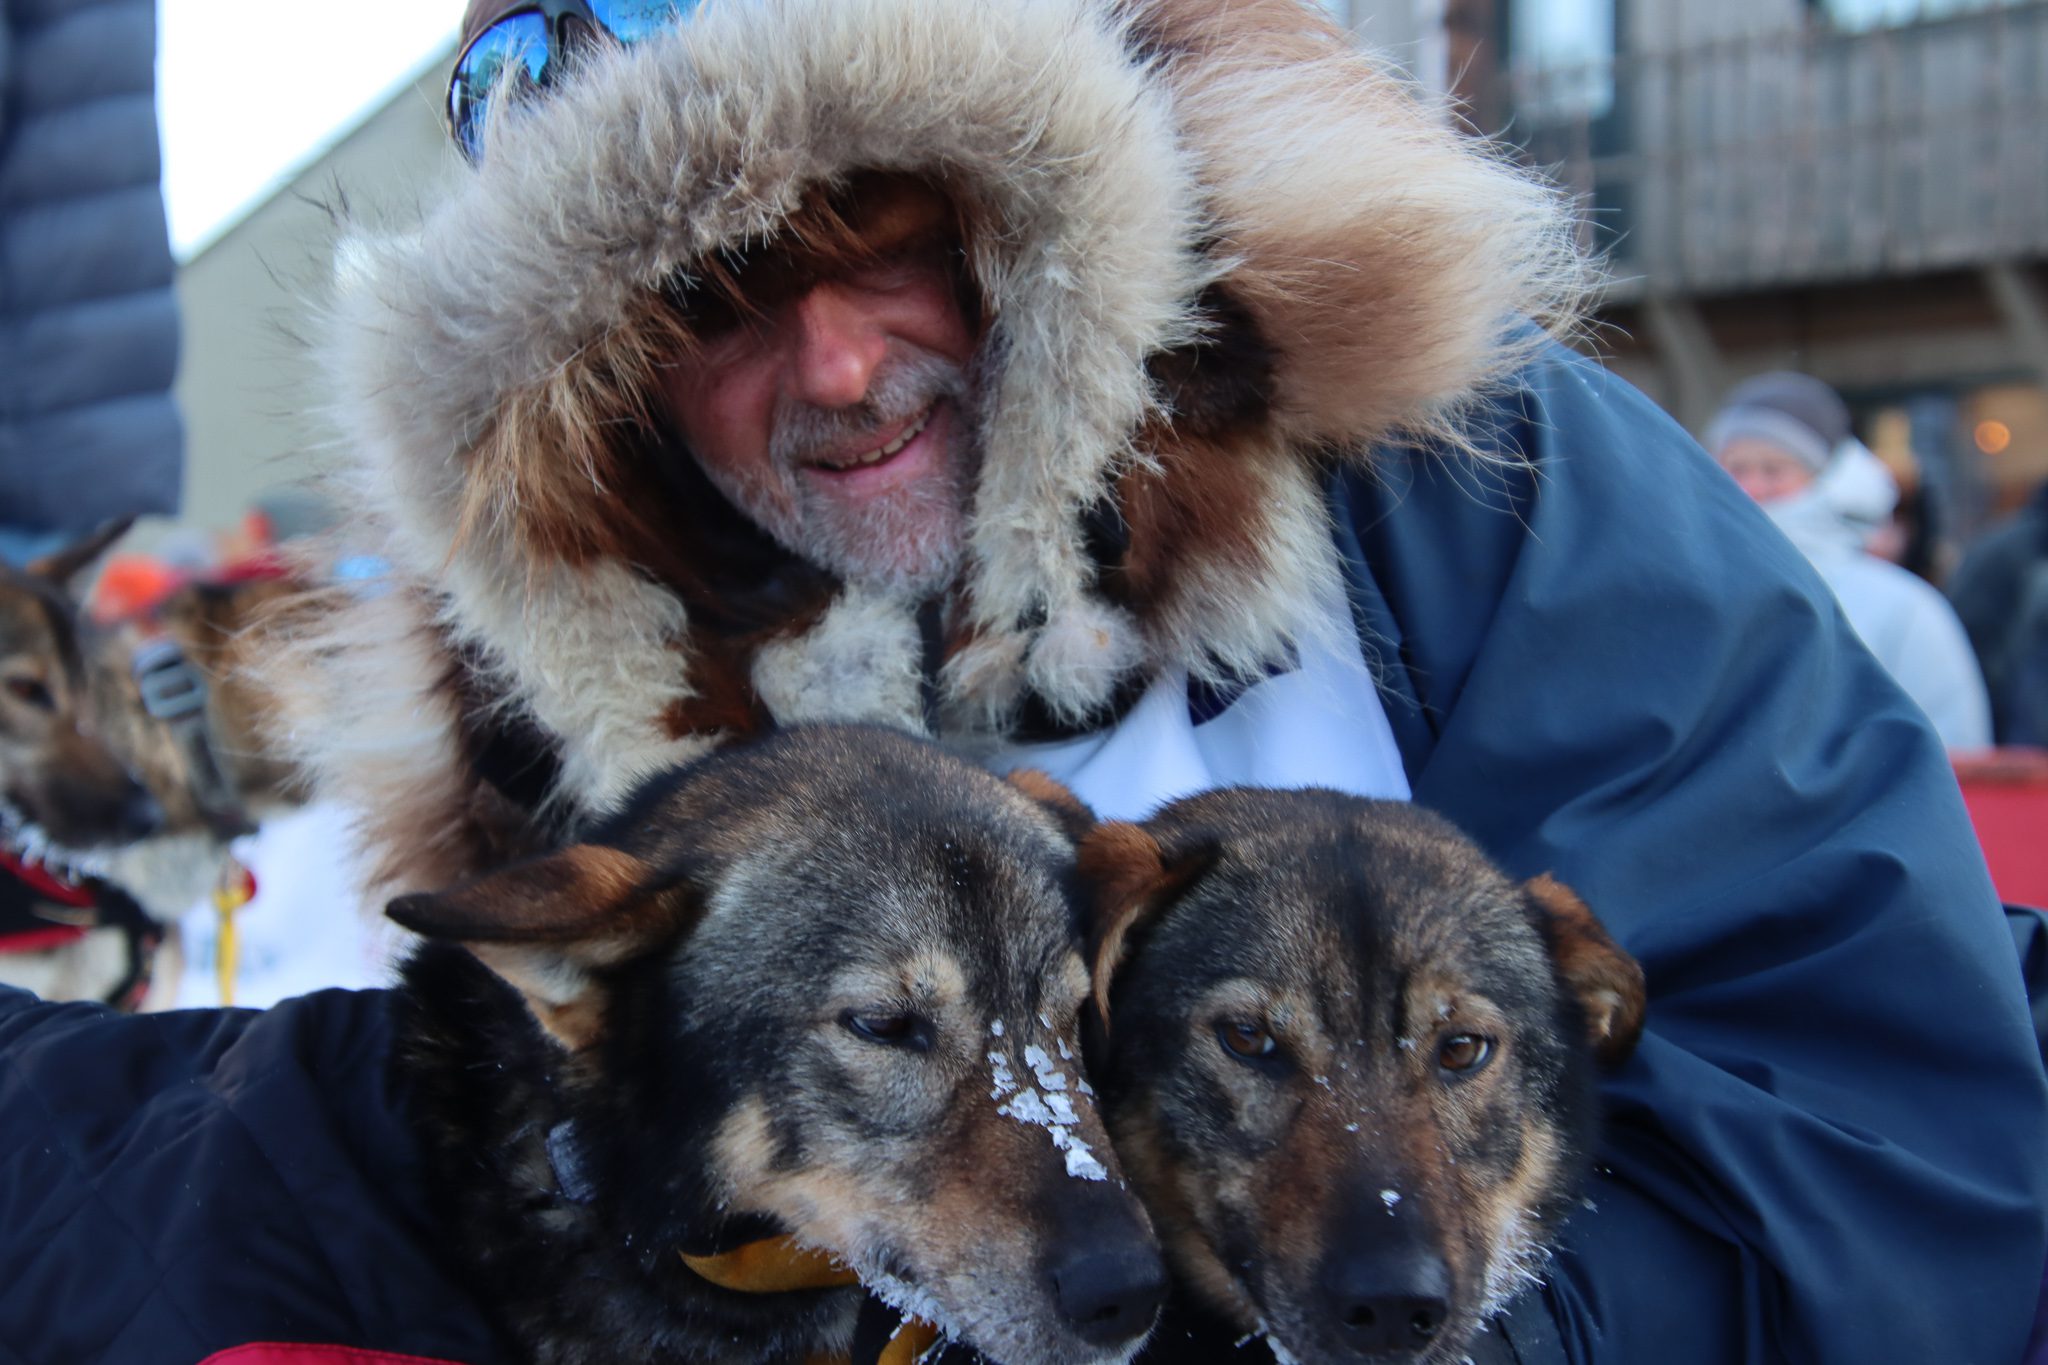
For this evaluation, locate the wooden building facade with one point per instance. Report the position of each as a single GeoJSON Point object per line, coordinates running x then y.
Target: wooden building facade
{"type": "Point", "coordinates": [1856, 188]}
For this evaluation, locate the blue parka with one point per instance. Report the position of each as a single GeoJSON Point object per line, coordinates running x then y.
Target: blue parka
{"type": "Point", "coordinates": [88, 323]}
{"type": "Point", "coordinates": [1832, 1145]}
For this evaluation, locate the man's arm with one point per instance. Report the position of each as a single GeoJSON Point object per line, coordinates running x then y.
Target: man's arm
{"type": "Point", "coordinates": [1605, 663]}
{"type": "Point", "coordinates": [179, 1184]}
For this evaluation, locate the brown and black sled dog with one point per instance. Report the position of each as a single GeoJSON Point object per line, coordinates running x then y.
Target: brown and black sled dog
{"type": "Point", "coordinates": [820, 993]}
{"type": "Point", "coordinates": [64, 793]}
{"type": "Point", "coordinates": [1348, 1064]}
{"type": "Point", "coordinates": [68, 798]}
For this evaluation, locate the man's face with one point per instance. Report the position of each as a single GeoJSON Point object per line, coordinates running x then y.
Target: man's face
{"type": "Point", "coordinates": [1765, 471]}
{"type": "Point", "coordinates": [831, 409]}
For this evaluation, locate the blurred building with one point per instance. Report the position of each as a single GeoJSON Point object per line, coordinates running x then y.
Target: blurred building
{"type": "Point", "coordinates": [1856, 188]}
{"type": "Point", "coordinates": [250, 297]}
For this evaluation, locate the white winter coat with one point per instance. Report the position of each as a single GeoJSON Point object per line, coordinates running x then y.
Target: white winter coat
{"type": "Point", "coordinates": [1904, 620]}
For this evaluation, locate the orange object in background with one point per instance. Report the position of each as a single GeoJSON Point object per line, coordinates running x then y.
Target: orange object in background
{"type": "Point", "coordinates": [2007, 793]}
{"type": "Point", "coordinates": [131, 586]}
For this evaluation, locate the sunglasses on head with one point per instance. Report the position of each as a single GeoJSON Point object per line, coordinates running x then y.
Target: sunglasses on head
{"type": "Point", "coordinates": [527, 50]}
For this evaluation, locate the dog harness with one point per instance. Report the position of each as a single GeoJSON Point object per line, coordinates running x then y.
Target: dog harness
{"type": "Point", "coordinates": [28, 931]}
{"type": "Point", "coordinates": [233, 889]}
{"type": "Point", "coordinates": [174, 694]}
{"type": "Point", "coordinates": [41, 911]}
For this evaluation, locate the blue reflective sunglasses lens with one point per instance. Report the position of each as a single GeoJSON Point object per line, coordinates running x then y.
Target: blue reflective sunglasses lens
{"type": "Point", "coordinates": [511, 58]}
{"type": "Point", "coordinates": [631, 20]}
{"type": "Point", "coordinates": [515, 52]}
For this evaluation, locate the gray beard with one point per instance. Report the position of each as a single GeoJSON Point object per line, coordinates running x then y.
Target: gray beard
{"type": "Point", "coordinates": [912, 541]}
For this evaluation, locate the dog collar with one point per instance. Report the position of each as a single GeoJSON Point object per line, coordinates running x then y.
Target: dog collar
{"type": "Point", "coordinates": [768, 1265]}
{"type": "Point", "coordinates": [772, 1265]}
{"type": "Point", "coordinates": [780, 1265]}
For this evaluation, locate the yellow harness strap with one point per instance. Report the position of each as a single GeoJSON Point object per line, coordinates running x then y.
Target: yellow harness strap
{"type": "Point", "coordinates": [777, 1265]}
{"type": "Point", "coordinates": [234, 888]}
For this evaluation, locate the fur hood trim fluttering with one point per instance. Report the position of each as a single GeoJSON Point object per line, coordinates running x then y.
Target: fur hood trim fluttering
{"type": "Point", "coordinates": [1214, 243]}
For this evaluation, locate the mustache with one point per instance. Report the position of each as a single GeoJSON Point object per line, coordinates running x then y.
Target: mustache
{"type": "Point", "coordinates": [901, 390]}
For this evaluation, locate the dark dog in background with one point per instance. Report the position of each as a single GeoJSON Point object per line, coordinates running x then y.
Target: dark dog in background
{"type": "Point", "coordinates": [63, 790]}
{"type": "Point", "coordinates": [130, 754]}
{"type": "Point", "coordinates": [68, 798]}
{"type": "Point", "coordinates": [1348, 1063]}
{"type": "Point", "coordinates": [818, 992]}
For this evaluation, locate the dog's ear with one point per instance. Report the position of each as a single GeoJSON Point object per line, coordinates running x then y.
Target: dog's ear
{"type": "Point", "coordinates": [1070, 810]}
{"type": "Point", "coordinates": [1131, 879]}
{"type": "Point", "coordinates": [548, 924]}
{"type": "Point", "coordinates": [1607, 981]}
{"type": "Point", "coordinates": [63, 567]}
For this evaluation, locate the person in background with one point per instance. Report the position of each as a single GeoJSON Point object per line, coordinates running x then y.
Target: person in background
{"type": "Point", "coordinates": [1785, 438]}
{"type": "Point", "coordinates": [89, 431]}
{"type": "Point", "coordinates": [2000, 591]}
{"type": "Point", "coordinates": [1911, 537]}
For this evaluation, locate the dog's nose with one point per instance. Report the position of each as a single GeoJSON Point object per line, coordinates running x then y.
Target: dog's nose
{"type": "Point", "coordinates": [1110, 1294]}
{"type": "Point", "coordinates": [141, 814]}
{"type": "Point", "coordinates": [1387, 1301]}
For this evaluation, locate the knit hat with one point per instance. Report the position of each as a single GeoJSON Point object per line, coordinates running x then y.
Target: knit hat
{"type": "Point", "coordinates": [1795, 412]}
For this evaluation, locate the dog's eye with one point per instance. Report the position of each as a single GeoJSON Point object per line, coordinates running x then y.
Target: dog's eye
{"type": "Point", "coordinates": [1462, 1054]}
{"type": "Point", "coordinates": [1249, 1041]}
{"type": "Point", "coordinates": [32, 691]}
{"type": "Point", "coordinates": [891, 1030]}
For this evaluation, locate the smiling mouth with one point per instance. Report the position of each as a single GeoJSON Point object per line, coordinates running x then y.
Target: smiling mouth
{"type": "Point", "coordinates": [867, 459]}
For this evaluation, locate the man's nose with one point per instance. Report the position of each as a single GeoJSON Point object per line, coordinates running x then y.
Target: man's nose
{"type": "Point", "coordinates": [838, 348]}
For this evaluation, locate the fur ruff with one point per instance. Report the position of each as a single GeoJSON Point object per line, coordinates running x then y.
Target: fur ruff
{"type": "Point", "coordinates": [1214, 243]}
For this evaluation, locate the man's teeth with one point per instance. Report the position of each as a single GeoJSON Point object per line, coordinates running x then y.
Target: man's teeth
{"type": "Point", "coordinates": [881, 453]}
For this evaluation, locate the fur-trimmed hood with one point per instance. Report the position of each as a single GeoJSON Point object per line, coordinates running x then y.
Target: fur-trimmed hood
{"type": "Point", "coordinates": [1215, 246]}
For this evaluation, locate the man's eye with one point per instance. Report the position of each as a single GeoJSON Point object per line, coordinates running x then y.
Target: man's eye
{"type": "Point", "coordinates": [707, 312]}
{"type": "Point", "coordinates": [905, 1030]}
{"type": "Point", "coordinates": [880, 276]}
{"type": "Point", "coordinates": [896, 268]}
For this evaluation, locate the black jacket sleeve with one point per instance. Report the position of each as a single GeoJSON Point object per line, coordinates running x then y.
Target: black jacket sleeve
{"type": "Point", "coordinates": [174, 1185]}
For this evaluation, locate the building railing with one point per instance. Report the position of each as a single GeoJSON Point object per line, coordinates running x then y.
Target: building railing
{"type": "Point", "coordinates": [1807, 156]}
